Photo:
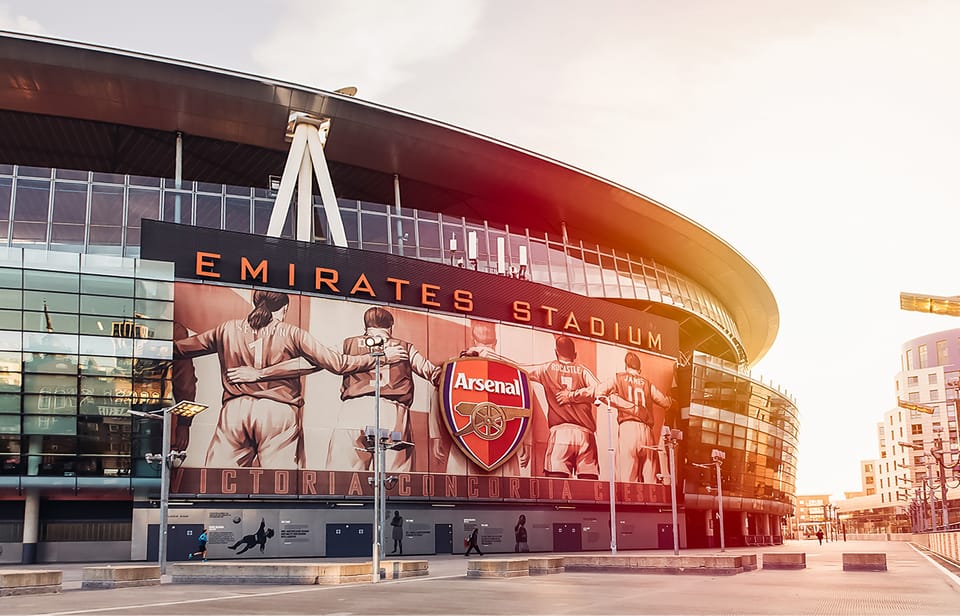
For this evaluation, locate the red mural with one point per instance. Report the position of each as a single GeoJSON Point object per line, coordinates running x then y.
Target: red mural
{"type": "Point", "coordinates": [291, 388]}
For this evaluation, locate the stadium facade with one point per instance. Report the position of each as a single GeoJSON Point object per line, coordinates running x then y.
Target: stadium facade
{"type": "Point", "coordinates": [174, 232]}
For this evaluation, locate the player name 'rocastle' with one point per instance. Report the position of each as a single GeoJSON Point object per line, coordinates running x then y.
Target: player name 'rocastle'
{"type": "Point", "coordinates": [488, 385]}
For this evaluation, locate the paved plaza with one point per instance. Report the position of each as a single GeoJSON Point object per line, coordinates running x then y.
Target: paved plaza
{"type": "Point", "coordinates": [914, 584]}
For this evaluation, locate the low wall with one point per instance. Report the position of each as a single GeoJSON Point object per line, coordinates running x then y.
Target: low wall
{"type": "Point", "coordinates": [864, 561]}
{"type": "Point", "coordinates": [687, 565]}
{"type": "Point", "coordinates": [249, 573]}
{"type": "Point", "coordinates": [122, 576]}
{"type": "Point", "coordinates": [30, 582]}
{"type": "Point", "coordinates": [260, 572]}
{"type": "Point", "coordinates": [498, 567]}
{"type": "Point", "coordinates": [785, 560]}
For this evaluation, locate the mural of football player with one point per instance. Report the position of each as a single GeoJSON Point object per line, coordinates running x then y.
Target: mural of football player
{"type": "Point", "coordinates": [258, 538]}
{"type": "Point", "coordinates": [571, 414]}
{"type": "Point", "coordinates": [260, 418]}
{"type": "Point", "coordinates": [633, 395]}
{"type": "Point", "coordinates": [396, 395]}
{"type": "Point", "coordinates": [484, 344]}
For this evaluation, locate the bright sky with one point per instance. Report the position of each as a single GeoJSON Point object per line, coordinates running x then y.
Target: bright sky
{"type": "Point", "coordinates": [818, 138]}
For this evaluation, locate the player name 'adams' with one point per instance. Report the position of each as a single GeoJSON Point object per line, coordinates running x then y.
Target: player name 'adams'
{"type": "Point", "coordinates": [488, 385]}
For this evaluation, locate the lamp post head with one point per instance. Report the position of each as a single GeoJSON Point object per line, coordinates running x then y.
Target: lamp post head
{"type": "Point", "coordinates": [375, 345]}
{"type": "Point", "coordinates": [187, 408]}
{"type": "Point", "coordinates": [718, 456]}
{"type": "Point", "coordinates": [671, 436]}
{"type": "Point", "coordinates": [373, 342]}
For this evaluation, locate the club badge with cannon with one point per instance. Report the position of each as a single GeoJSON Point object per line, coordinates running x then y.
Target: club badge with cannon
{"type": "Point", "coordinates": [486, 406]}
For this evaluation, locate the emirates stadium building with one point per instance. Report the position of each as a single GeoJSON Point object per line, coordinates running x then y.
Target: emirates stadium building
{"type": "Point", "coordinates": [298, 319]}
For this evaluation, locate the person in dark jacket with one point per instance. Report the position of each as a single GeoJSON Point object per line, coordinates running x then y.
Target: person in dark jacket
{"type": "Point", "coordinates": [472, 543]}
{"type": "Point", "coordinates": [397, 523]}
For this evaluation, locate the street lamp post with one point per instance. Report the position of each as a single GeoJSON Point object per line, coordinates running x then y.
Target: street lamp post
{"type": "Point", "coordinates": [718, 457]}
{"type": "Point", "coordinates": [670, 438]}
{"type": "Point", "coordinates": [166, 459]}
{"type": "Point", "coordinates": [375, 345]}
{"type": "Point", "coordinates": [613, 472]}
{"type": "Point", "coordinates": [378, 442]}
{"type": "Point", "coordinates": [831, 528]}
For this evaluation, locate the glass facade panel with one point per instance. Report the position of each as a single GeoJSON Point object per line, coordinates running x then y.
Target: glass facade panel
{"type": "Point", "coordinates": [428, 240]}
{"type": "Point", "coordinates": [32, 205]}
{"type": "Point", "coordinates": [178, 207]}
{"type": "Point", "coordinates": [9, 403]}
{"type": "Point", "coordinates": [106, 215]}
{"type": "Point", "coordinates": [50, 281]}
{"type": "Point", "coordinates": [107, 285]}
{"type": "Point", "coordinates": [49, 343]}
{"type": "Point", "coordinates": [149, 289]}
{"type": "Point", "coordinates": [11, 319]}
{"type": "Point", "coordinates": [209, 210]}
{"type": "Point", "coordinates": [52, 302]}
{"type": "Point", "coordinates": [454, 240]}
{"type": "Point", "coordinates": [261, 217]}
{"type": "Point", "coordinates": [237, 215]}
{"type": "Point", "coordinates": [107, 306]}
{"type": "Point", "coordinates": [50, 363]}
{"type": "Point", "coordinates": [142, 204]}
{"type": "Point", "coordinates": [6, 197]}
{"type": "Point", "coordinates": [50, 322]}
{"type": "Point", "coordinates": [69, 213]}
{"type": "Point", "coordinates": [151, 309]}
{"type": "Point", "coordinates": [374, 232]}
{"type": "Point", "coordinates": [71, 410]}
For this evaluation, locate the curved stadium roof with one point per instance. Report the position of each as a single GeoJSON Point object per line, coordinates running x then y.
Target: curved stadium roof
{"type": "Point", "coordinates": [77, 106]}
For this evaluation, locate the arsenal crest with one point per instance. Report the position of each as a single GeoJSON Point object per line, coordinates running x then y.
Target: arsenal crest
{"type": "Point", "coordinates": [486, 407]}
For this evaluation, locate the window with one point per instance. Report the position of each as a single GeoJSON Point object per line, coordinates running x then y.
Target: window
{"type": "Point", "coordinates": [922, 355]}
{"type": "Point", "coordinates": [942, 355]}
{"type": "Point", "coordinates": [916, 429]}
{"type": "Point", "coordinates": [909, 359]}
{"type": "Point", "coordinates": [932, 378]}
{"type": "Point", "coordinates": [933, 394]}
{"type": "Point", "coordinates": [912, 381]}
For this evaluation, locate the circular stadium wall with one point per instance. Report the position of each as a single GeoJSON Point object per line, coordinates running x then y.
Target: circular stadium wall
{"type": "Point", "coordinates": [82, 181]}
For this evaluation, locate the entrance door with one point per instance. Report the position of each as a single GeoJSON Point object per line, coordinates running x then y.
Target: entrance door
{"type": "Point", "coordinates": [349, 539]}
{"type": "Point", "coordinates": [567, 537]}
{"type": "Point", "coordinates": [181, 541]}
{"type": "Point", "coordinates": [665, 536]}
{"type": "Point", "coordinates": [443, 538]}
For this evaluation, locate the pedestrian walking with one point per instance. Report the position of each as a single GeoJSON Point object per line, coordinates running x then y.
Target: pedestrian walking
{"type": "Point", "coordinates": [820, 536]}
{"type": "Point", "coordinates": [472, 543]}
